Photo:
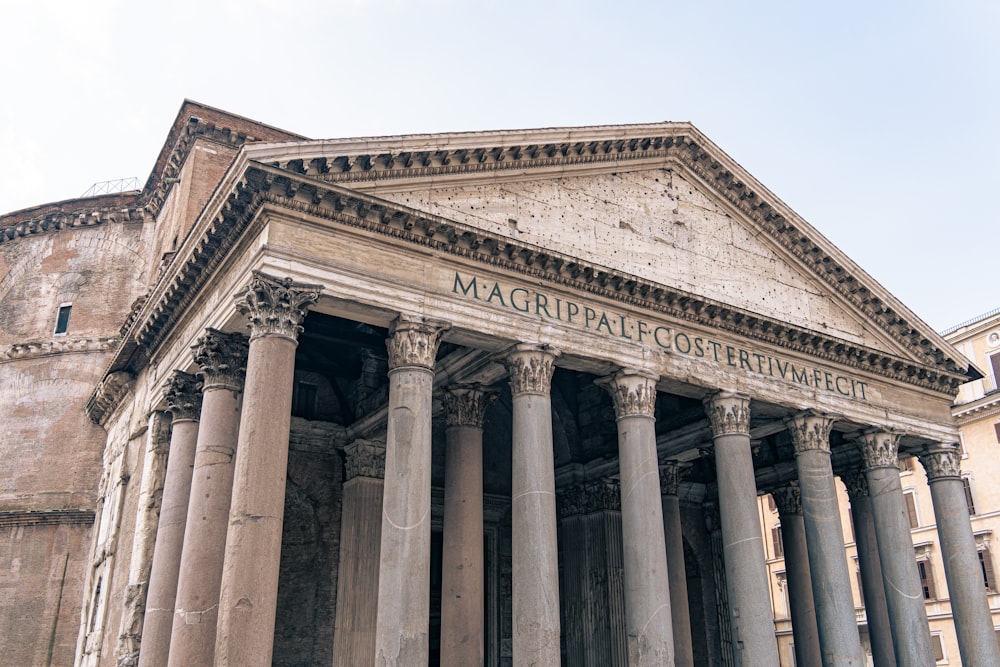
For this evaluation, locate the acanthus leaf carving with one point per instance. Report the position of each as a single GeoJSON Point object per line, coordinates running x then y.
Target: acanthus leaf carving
{"type": "Point", "coordinates": [530, 369]}
{"type": "Point", "coordinates": [182, 394]}
{"type": "Point", "coordinates": [222, 358]}
{"type": "Point", "coordinates": [633, 393]}
{"type": "Point", "coordinates": [364, 458]}
{"type": "Point", "coordinates": [414, 341]}
{"type": "Point", "coordinates": [879, 449]}
{"type": "Point", "coordinates": [856, 483]}
{"type": "Point", "coordinates": [942, 463]}
{"type": "Point", "coordinates": [728, 412]}
{"type": "Point", "coordinates": [788, 499]}
{"type": "Point", "coordinates": [466, 406]}
{"type": "Point", "coordinates": [276, 306]}
{"type": "Point", "coordinates": [810, 431]}
{"type": "Point", "coordinates": [672, 473]}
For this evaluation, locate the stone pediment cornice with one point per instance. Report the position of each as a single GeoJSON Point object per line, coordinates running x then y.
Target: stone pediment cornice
{"type": "Point", "coordinates": [981, 408]}
{"type": "Point", "coordinates": [377, 161]}
{"type": "Point", "coordinates": [258, 186]}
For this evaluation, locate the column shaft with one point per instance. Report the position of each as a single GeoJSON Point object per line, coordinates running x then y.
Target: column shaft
{"type": "Point", "coordinates": [873, 590]}
{"type": "Point", "coordinates": [360, 539]}
{"type": "Point", "coordinates": [192, 640]}
{"type": "Point", "coordinates": [184, 400]}
{"type": "Point", "coordinates": [248, 600]}
{"type": "Point", "coordinates": [838, 629]}
{"type": "Point", "coordinates": [976, 638]}
{"type": "Point", "coordinates": [462, 575]}
{"type": "Point", "coordinates": [533, 509]}
{"type": "Point", "coordinates": [673, 536]}
{"type": "Point", "coordinates": [743, 548]}
{"type": "Point", "coordinates": [911, 636]}
{"type": "Point", "coordinates": [402, 627]}
{"type": "Point", "coordinates": [805, 629]}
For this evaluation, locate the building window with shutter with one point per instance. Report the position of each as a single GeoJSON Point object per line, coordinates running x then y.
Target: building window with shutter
{"type": "Point", "coordinates": [911, 508]}
{"type": "Point", "coordinates": [996, 427]}
{"type": "Point", "coordinates": [926, 579]}
{"type": "Point", "coordinates": [777, 542]}
{"type": "Point", "coordinates": [995, 367]}
{"type": "Point", "coordinates": [986, 564]}
{"type": "Point", "coordinates": [966, 482]}
{"type": "Point", "coordinates": [938, 647]}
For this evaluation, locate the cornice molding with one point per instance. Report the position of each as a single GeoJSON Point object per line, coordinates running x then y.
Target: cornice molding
{"type": "Point", "coordinates": [108, 394]}
{"type": "Point", "coordinates": [43, 348]}
{"type": "Point", "coordinates": [304, 193]}
{"type": "Point", "coordinates": [73, 214]}
{"type": "Point", "coordinates": [63, 517]}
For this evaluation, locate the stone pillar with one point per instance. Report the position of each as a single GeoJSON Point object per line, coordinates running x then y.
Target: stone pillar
{"type": "Point", "coordinates": [911, 636]}
{"type": "Point", "coordinates": [680, 612]}
{"type": "Point", "coordinates": [533, 508]}
{"type": "Point", "coordinates": [222, 358]}
{"type": "Point", "coordinates": [713, 523]}
{"type": "Point", "coordinates": [873, 590]}
{"type": "Point", "coordinates": [976, 638]}
{"type": "Point", "coordinates": [592, 580]}
{"type": "Point", "coordinates": [275, 309]}
{"type": "Point", "coordinates": [647, 593]}
{"type": "Point", "coordinates": [402, 628]}
{"type": "Point", "coordinates": [183, 397]}
{"type": "Point", "coordinates": [838, 628]}
{"type": "Point", "coordinates": [360, 537]}
{"type": "Point", "coordinates": [805, 630]}
{"type": "Point", "coordinates": [743, 548]}
{"type": "Point", "coordinates": [462, 575]}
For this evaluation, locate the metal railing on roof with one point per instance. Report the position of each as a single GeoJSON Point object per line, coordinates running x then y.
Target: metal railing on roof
{"type": "Point", "coordinates": [112, 187]}
{"type": "Point", "coordinates": [979, 318]}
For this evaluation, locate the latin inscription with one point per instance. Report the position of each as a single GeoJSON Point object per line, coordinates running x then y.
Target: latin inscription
{"type": "Point", "coordinates": [649, 333]}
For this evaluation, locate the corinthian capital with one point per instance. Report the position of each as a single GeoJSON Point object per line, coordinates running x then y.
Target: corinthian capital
{"type": "Point", "coordinates": [943, 462]}
{"type": "Point", "coordinates": [414, 341]}
{"type": "Point", "coordinates": [728, 412]}
{"type": "Point", "coordinates": [788, 499]}
{"type": "Point", "coordinates": [276, 306]}
{"type": "Point", "coordinates": [223, 359]}
{"type": "Point", "coordinates": [530, 368]}
{"type": "Point", "coordinates": [632, 391]}
{"type": "Point", "coordinates": [182, 393]}
{"type": "Point", "coordinates": [856, 483]}
{"type": "Point", "coordinates": [879, 448]}
{"type": "Point", "coordinates": [466, 406]}
{"type": "Point", "coordinates": [672, 473]}
{"type": "Point", "coordinates": [810, 431]}
{"type": "Point", "coordinates": [365, 458]}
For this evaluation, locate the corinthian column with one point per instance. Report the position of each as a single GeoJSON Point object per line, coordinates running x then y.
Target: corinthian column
{"type": "Point", "coordinates": [805, 631]}
{"type": "Point", "coordinates": [361, 535]}
{"type": "Point", "coordinates": [647, 594]}
{"type": "Point", "coordinates": [462, 578]}
{"type": "Point", "coordinates": [680, 614]}
{"type": "Point", "coordinates": [183, 397]}
{"type": "Point", "coordinates": [401, 635]}
{"type": "Point", "coordinates": [743, 547]}
{"type": "Point", "coordinates": [904, 596]}
{"type": "Point", "coordinates": [222, 358]}
{"type": "Point", "coordinates": [533, 508]}
{"type": "Point", "coordinates": [275, 309]}
{"type": "Point", "coordinates": [973, 623]}
{"type": "Point", "coordinates": [873, 590]}
{"type": "Point", "coordinates": [838, 629]}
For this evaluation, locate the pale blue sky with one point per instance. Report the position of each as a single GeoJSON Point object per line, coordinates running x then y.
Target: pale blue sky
{"type": "Point", "coordinates": [876, 121]}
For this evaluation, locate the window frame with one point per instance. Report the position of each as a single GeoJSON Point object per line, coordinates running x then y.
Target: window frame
{"type": "Point", "coordinates": [61, 327]}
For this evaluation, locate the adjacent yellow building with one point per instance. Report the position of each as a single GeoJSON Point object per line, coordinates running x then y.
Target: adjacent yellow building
{"type": "Point", "coordinates": [977, 412]}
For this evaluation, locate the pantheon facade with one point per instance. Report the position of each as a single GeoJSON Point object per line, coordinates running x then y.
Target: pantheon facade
{"type": "Point", "coordinates": [487, 398]}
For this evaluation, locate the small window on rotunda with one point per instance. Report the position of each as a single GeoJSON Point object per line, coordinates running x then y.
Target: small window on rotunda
{"type": "Point", "coordinates": [62, 318]}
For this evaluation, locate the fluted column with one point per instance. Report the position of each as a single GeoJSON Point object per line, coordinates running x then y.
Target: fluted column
{"type": "Point", "coordinates": [360, 538]}
{"type": "Point", "coordinates": [222, 358]}
{"type": "Point", "coordinates": [805, 630]}
{"type": "Point", "coordinates": [648, 626]}
{"type": "Point", "coordinates": [533, 508]}
{"type": "Point", "coordinates": [873, 590]}
{"type": "Point", "coordinates": [743, 548]}
{"type": "Point", "coordinates": [182, 394]}
{"type": "Point", "coordinates": [973, 623]}
{"type": "Point", "coordinates": [904, 598]}
{"type": "Point", "coordinates": [462, 574]}
{"type": "Point", "coordinates": [680, 613]}
{"type": "Point", "coordinates": [275, 309]}
{"type": "Point", "coordinates": [713, 523]}
{"type": "Point", "coordinates": [838, 629]}
{"type": "Point", "coordinates": [402, 628]}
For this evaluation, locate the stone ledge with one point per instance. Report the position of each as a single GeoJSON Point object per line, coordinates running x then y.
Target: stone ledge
{"type": "Point", "coordinates": [62, 517]}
